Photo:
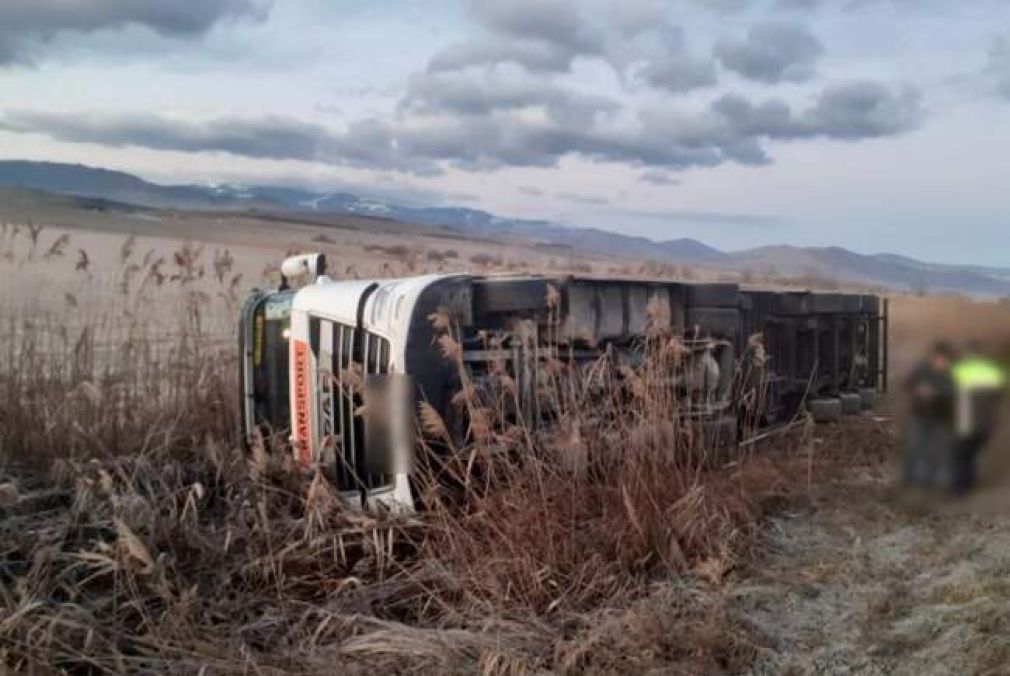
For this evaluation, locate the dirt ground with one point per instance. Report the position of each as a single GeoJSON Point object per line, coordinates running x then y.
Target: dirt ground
{"type": "Point", "coordinates": [862, 579]}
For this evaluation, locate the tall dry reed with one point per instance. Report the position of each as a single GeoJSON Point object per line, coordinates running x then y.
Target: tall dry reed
{"type": "Point", "coordinates": [87, 368]}
{"type": "Point", "coordinates": [157, 546]}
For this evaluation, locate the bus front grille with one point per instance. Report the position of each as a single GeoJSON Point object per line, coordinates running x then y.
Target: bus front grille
{"type": "Point", "coordinates": [346, 357]}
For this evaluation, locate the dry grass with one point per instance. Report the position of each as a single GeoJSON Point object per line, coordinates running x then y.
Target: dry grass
{"type": "Point", "coordinates": [135, 362]}
{"type": "Point", "coordinates": [209, 559]}
{"type": "Point", "coordinates": [599, 545]}
{"type": "Point", "coordinates": [918, 321]}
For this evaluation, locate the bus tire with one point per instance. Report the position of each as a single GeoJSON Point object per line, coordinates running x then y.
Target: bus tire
{"type": "Point", "coordinates": [852, 403]}
{"type": "Point", "coordinates": [825, 410]}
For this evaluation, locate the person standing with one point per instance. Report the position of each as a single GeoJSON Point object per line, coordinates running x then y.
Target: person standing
{"type": "Point", "coordinates": [980, 383]}
{"type": "Point", "coordinates": [930, 434]}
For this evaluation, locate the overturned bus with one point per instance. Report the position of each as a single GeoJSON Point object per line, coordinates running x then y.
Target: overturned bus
{"type": "Point", "coordinates": [311, 355]}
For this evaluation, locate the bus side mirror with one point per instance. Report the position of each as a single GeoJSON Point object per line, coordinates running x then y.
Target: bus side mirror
{"type": "Point", "coordinates": [304, 266]}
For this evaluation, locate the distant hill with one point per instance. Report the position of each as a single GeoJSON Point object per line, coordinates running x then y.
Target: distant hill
{"type": "Point", "coordinates": [116, 186]}
{"type": "Point", "coordinates": [691, 250]}
{"type": "Point", "coordinates": [885, 269]}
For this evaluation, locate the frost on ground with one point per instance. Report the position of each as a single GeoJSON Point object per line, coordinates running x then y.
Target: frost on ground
{"type": "Point", "coordinates": [859, 580]}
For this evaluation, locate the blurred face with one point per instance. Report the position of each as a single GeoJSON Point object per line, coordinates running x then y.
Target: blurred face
{"type": "Point", "coordinates": [940, 362]}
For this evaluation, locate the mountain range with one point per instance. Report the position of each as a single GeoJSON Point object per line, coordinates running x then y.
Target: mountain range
{"type": "Point", "coordinates": [886, 269]}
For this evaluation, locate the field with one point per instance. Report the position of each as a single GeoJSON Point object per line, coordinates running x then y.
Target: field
{"type": "Point", "coordinates": [136, 537]}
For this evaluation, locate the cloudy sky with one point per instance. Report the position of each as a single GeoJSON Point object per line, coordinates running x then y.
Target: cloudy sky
{"type": "Point", "coordinates": [872, 124]}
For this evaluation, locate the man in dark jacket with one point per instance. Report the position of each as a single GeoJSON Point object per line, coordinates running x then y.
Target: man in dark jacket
{"type": "Point", "coordinates": [930, 435]}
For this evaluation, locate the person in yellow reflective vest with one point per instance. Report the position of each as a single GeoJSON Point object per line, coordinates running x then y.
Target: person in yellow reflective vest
{"type": "Point", "coordinates": [980, 383]}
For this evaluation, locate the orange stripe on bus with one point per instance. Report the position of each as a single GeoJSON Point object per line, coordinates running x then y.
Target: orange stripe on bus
{"type": "Point", "coordinates": [303, 399]}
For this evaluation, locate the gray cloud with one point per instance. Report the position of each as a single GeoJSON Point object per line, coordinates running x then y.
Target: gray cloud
{"type": "Point", "coordinates": [267, 138]}
{"type": "Point", "coordinates": [579, 198]}
{"type": "Point", "coordinates": [732, 129]}
{"type": "Point", "coordinates": [773, 118]}
{"type": "Point", "coordinates": [674, 69]}
{"type": "Point", "coordinates": [739, 6]}
{"type": "Point", "coordinates": [864, 110]}
{"type": "Point", "coordinates": [729, 6]}
{"type": "Point", "coordinates": [482, 93]}
{"type": "Point", "coordinates": [546, 36]}
{"type": "Point", "coordinates": [530, 190]}
{"type": "Point", "coordinates": [555, 22]}
{"type": "Point", "coordinates": [536, 57]}
{"type": "Point", "coordinates": [540, 35]}
{"type": "Point", "coordinates": [849, 112]}
{"type": "Point", "coordinates": [26, 25]}
{"type": "Point", "coordinates": [772, 53]}
{"type": "Point", "coordinates": [999, 66]}
{"type": "Point", "coordinates": [679, 74]}
{"type": "Point", "coordinates": [366, 143]}
{"type": "Point", "coordinates": [475, 143]}
{"type": "Point", "coordinates": [633, 17]}
{"type": "Point", "coordinates": [658, 177]}
{"type": "Point", "coordinates": [799, 4]}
